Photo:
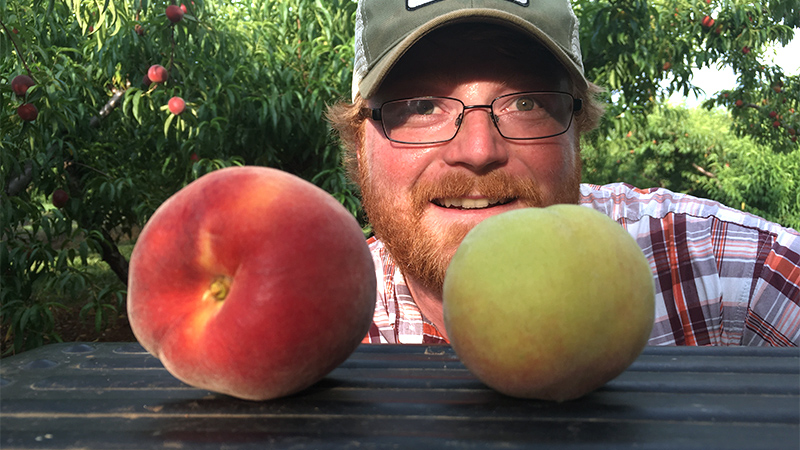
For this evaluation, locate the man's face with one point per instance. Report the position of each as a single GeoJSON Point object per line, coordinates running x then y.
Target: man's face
{"type": "Point", "coordinates": [423, 199]}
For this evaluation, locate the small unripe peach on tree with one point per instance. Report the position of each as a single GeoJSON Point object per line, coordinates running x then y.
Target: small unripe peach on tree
{"type": "Point", "coordinates": [176, 105]}
{"type": "Point", "coordinates": [157, 73]}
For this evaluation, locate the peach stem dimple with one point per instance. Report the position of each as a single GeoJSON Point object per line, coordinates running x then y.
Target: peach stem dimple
{"type": "Point", "coordinates": [219, 288]}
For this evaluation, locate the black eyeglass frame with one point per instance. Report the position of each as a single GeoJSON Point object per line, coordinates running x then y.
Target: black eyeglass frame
{"type": "Point", "coordinates": [376, 115]}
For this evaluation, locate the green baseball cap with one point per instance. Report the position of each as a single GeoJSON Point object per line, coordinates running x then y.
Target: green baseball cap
{"type": "Point", "coordinates": [386, 29]}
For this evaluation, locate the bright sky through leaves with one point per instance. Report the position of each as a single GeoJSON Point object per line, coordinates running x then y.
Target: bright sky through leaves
{"type": "Point", "coordinates": [712, 80]}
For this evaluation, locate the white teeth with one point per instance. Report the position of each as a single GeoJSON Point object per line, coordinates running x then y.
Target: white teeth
{"type": "Point", "coordinates": [467, 203]}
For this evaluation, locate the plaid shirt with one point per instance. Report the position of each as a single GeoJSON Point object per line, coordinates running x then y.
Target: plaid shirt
{"type": "Point", "coordinates": [722, 276]}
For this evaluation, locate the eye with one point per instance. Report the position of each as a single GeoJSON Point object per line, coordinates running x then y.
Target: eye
{"type": "Point", "coordinates": [422, 107]}
{"type": "Point", "coordinates": [525, 104]}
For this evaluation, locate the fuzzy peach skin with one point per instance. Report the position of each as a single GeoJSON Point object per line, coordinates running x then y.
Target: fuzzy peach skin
{"type": "Point", "coordinates": [548, 303]}
{"type": "Point", "coordinates": [251, 282]}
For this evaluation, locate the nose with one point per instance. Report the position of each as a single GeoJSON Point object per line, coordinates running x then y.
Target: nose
{"type": "Point", "coordinates": [478, 145]}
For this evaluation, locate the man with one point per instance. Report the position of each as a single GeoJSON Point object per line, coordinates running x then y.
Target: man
{"type": "Point", "coordinates": [465, 109]}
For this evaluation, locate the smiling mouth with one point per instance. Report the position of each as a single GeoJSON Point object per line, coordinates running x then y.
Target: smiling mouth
{"type": "Point", "coordinates": [468, 203]}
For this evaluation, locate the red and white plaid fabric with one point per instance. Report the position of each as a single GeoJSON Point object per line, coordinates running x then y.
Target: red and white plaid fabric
{"type": "Point", "coordinates": [723, 277]}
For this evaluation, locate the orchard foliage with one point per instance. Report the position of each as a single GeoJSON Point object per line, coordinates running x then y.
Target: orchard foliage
{"type": "Point", "coordinates": [256, 76]}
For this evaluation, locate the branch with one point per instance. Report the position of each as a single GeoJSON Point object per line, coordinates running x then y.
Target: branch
{"type": "Point", "coordinates": [19, 52]}
{"type": "Point", "coordinates": [108, 248]}
{"type": "Point", "coordinates": [112, 103]}
{"type": "Point", "coordinates": [704, 171]}
{"type": "Point", "coordinates": [21, 181]}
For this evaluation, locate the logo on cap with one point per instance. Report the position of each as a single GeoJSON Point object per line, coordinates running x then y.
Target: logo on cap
{"type": "Point", "coordinates": [414, 4]}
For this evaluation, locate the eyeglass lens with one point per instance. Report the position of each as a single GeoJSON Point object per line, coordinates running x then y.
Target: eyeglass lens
{"type": "Point", "coordinates": [526, 115]}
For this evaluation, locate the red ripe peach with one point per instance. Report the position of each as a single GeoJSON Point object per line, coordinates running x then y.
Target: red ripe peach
{"type": "Point", "coordinates": [21, 83]}
{"type": "Point", "coordinates": [176, 105]}
{"type": "Point", "coordinates": [174, 13]}
{"type": "Point", "coordinates": [232, 293]}
{"type": "Point", "coordinates": [60, 198]}
{"type": "Point", "coordinates": [27, 112]}
{"type": "Point", "coordinates": [157, 73]}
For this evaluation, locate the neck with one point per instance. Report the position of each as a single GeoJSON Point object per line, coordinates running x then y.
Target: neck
{"type": "Point", "coordinates": [429, 302]}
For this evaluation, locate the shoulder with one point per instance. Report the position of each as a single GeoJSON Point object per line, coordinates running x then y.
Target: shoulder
{"type": "Point", "coordinates": [627, 204]}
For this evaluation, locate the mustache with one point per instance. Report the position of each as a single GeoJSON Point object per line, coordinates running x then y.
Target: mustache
{"type": "Point", "coordinates": [495, 184]}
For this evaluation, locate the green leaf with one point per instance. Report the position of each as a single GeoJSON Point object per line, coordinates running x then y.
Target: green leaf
{"type": "Point", "coordinates": [137, 99]}
{"type": "Point", "coordinates": [167, 123]}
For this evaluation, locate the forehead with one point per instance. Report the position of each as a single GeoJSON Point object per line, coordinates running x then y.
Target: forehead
{"type": "Point", "coordinates": [468, 53]}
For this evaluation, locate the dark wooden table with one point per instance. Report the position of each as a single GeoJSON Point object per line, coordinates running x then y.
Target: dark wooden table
{"type": "Point", "coordinates": [109, 396]}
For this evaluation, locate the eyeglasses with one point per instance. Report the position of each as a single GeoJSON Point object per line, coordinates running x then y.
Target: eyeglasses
{"type": "Point", "coordinates": [431, 120]}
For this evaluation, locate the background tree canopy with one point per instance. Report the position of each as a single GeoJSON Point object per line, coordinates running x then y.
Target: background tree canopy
{"type": "Point", "coordinates": [103, 150]}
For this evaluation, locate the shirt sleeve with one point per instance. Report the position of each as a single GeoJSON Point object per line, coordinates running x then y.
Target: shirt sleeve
{"type": "Point", "coordinates": [774, 314]}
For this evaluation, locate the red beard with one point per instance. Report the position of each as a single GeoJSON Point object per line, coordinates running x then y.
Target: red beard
{"type": "Point", "coordinates": [423, 251]}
